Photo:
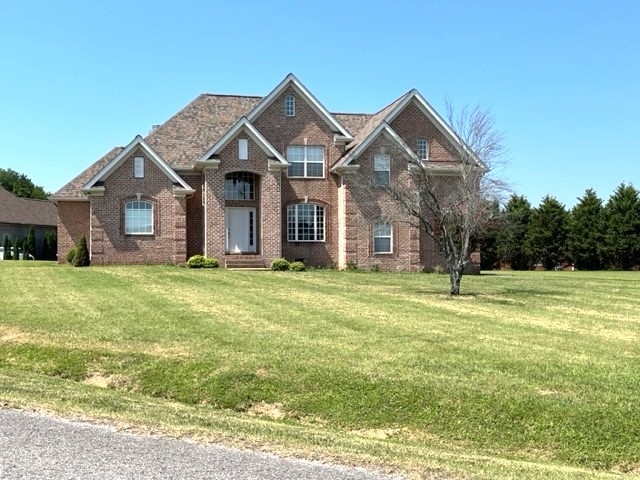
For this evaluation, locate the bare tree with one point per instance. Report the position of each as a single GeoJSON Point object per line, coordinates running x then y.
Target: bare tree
{"type": "Point", "coordinates": [451, 199]}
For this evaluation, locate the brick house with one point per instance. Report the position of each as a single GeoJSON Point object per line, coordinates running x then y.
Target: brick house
{"type": "Point", "coordinates": [256, 178]}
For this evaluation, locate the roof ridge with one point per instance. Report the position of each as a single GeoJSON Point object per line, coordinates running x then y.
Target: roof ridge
{"type": "Point", "coordinates": [229, 95]}
{"type": "Point", "coordinates": [393, 102]}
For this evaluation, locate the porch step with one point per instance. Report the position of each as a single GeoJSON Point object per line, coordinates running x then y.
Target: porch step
{"type": "Point", "coordinates": [245, 263]}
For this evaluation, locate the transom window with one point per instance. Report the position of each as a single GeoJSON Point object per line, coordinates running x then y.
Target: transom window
{"type": "Point", "coordinates": [423, 149]}
{"type": "Point", "coordinates": [239, 186]}
{"type": "Point", "coordinates": [382, 241]}
{"type": "Point", "coordinates": [305, 223]}
{"type": "Point", "coordinates": [138, 217]}
{"type": "Point", "coordinates": [381, 169]}
{"type": "Point", "coordinates": [290, 106]}
{"type": "Point", "coordinates": [306, 161]}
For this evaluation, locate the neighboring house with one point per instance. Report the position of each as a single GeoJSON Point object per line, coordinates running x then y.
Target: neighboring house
{"type": "Point", "coordinates": [17, 214]}
{"type": "Point", "coordinates": [256, 178]}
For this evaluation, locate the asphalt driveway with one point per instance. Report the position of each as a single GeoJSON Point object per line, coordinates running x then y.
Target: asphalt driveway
{"type": "Point", "coordinates": [36, 446]}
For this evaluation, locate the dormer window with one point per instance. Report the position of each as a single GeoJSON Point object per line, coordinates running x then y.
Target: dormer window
{"type": "Point", "coordinates": [138, 167]}
{"type": "Point", "coordinates": [423, 149]}
{"type": "Point", "coordinates": [290, 106]}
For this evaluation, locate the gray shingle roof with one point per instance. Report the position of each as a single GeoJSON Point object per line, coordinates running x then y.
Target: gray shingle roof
{"type": "Point", "coordinates": [26, 211]}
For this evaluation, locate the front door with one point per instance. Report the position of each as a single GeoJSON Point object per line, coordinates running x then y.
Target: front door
{"type": "Point", "coordinates": [240, 226]}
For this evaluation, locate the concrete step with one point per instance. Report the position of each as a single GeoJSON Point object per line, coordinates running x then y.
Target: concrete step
{"type": "Point", "coordinates": [244, 263]}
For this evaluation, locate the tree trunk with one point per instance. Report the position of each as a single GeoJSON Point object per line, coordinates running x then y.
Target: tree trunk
{"type": "Point", "coordinates": [455, 276]}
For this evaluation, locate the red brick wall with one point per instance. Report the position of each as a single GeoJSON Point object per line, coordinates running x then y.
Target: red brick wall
{"type": "Point", "coordinates": [195, 216]}
{"type": "Point", "coordinates": [73, 222]}
{"type": "Point", "coordinates": [109, 244]}
{"type": "Point", "coordinates": [282, 131]}
{"type": "Point", "coordinates": [267, 200]}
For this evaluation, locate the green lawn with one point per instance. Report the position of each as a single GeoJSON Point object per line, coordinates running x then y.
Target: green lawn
{"type": "Point", "coordinates": [525, 375]}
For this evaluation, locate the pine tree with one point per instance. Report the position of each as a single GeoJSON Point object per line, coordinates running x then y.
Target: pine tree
{"type": "Point", "coordinates": [587, 231]}
{"type": "Point", "coordinates": [30, 244]}
{"type": "Point", "coordinates": [515, 227]}
{"type": "Point", "coordinates": [623, 228]}
{"type": "Point", "coordinates": [548, 233]}
{"type": "Point", "coordinates": [50, 245]}
{"type": "Point", "coordinates": [16, 249]}
{"type": "Point", "coordinates": [82, 255]}
{"type": "Point", "coordinates": [7, 249]}
{"type": "Point", "coordinates": [488, 239]}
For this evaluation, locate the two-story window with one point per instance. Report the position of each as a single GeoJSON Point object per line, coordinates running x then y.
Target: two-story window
{"type": "Point", "coordinates": [382, 238]}
{"type": "Point", "coordinates": [239, 186]}
{"type": "Point", "coordinates": [307, 161]}
{"type": "Point", "coordinates": [305, 223]}
{"type": "Point", "coordinates": [138, 217]}
{"type": "Point", "coordinates": [423, 149]}
{"type": "Point", "coordinates": [381, 169]}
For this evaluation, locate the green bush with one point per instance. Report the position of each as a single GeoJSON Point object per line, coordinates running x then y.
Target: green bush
{"type": "Point", "coordinates": [30, 244]}
{"type": "Point", "coordinates": [81, 258]}
{"type": "Point", "coordinates": [297, 267]}
{"type": "Point", "coordinates": [50, 245]}
{"type": "Point", "coordinates": [210, 263]}
{"type": "Point", "coordinates": [280, 265]}
{"type": "Point", "coordinates": [16, 250]}
{"type": "Point", "coordinates": [71, 254]}
{"type": "Point", "coordinates": [196, 261]}
{"type": "Point", "coordinates": [7, 249]}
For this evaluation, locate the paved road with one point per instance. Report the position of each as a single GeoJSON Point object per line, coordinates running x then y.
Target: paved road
{"type": "Point", "coordinates": [35, 446]}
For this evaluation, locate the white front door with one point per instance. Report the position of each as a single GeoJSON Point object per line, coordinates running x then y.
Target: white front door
{"type": "Point", "coordinates": [240, 226]}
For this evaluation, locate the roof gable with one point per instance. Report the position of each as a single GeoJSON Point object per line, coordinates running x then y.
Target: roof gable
{"type": "Point", "coordinates": [243, 125]}
{"type": "Point", "coordinates": [291, 80]}
{"type": "Point", "coordinates": [385, 129]}
{"type": "Point", "coordinates": [138, 141]}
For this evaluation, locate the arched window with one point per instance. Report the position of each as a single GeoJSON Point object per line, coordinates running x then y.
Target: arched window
{"type": "Point", "coordinates": [239, 186]}
{"type": "Point", "coordinates": [423, 149]}
{"type": "Point", "coordinates": [305, 223]}
{"type": "Point", "coordinates": [138, 217]}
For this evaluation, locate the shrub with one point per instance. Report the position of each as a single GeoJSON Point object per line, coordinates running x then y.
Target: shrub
{"type": "Point", "coordinates": [280, 265]}
{"type": "Point", "coordinates": [30, 244]}
{"type": "Point", "coordinates": [81, 258]}
{"type": "Point", "coordinates": [71, 255]}
{"type": "Point", "coordinates": [7, 249]}
{"type": "Point", "coordinates": [297, 267]}
{"type": "Point", "coordinates": [16, 250]}
{"type": "Point", "coordinates": [196, 261]}
{"type": "Point", "coordinates": [210, 263]}
{"type": "Point", "coordinates": [50, 245]}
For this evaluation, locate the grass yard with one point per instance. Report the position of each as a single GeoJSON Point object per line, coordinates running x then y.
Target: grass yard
{"type": "Point", "coordinates": [526, 375]}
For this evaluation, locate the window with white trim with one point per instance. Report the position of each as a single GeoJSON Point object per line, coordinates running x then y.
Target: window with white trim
{"type": "Point", "coordinates": [138, 167]}
{"type": "Point", "coordinates": [382, 238]}
{"type": "Point", "coordinates": [423, 149]}
{"type": "Point", "coordinates": [290, 106]}
{"type": "Point", "coordinates": [307, 161]}
{"type": "Point", "coordinates": [243, 149]}
{"type": "Point", "coordinates": [381, 169]}
{"type": "Point", "coordinates": [305, 223]}
{"type": "Point", "coordinates": [138, 217]}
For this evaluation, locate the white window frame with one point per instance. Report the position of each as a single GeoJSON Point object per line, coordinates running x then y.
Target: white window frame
{"type": "Point", "coordinates": [243, 149]}
{"type": "Point", "coordinates": [423, 149]}
{"type": "Point", "coordinates": [289, 106]}
{"type": "Point", "coordinates": [377, 234]}
{"type": "Point", "coordinates": [319, 223]}
{"type": "Point", "coordinates": [381, 164]}
{"type": "Point", "coordinates": [138, 167]}
{"type": "Point", "coordinates": [295, 150]}
{"type": "Point", "coordinates": [133, 222]}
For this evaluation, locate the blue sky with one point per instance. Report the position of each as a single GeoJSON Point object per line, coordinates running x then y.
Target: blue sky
{"type": "Point", "coordinates": [561, 77]}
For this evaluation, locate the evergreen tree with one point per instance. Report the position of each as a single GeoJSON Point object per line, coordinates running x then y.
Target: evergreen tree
{"type": "Point", "coordinates": [488, 239]}
{"type": "Point", "coordinates": [548, 233]}
{"type": "Point", "coordinates": [586, 232]}
{"type": "Point", "coordinates": [6, 255]}
{"type": "Point", "coordinates": [50, 245]}
{"type": "Point", "coordinates": [82, 254]}
{"type": "Point", "coordinates": [16, 249]}
{"type": "Point", "coordinates": [623, 228]}
{"type": "Point", "coordinates": [30, 244]}
{"type": "Point", "coordinates": [513, 236]}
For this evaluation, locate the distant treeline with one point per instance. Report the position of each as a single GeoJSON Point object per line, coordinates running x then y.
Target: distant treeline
{"type": "Point", "coordinates": [592, 236]}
